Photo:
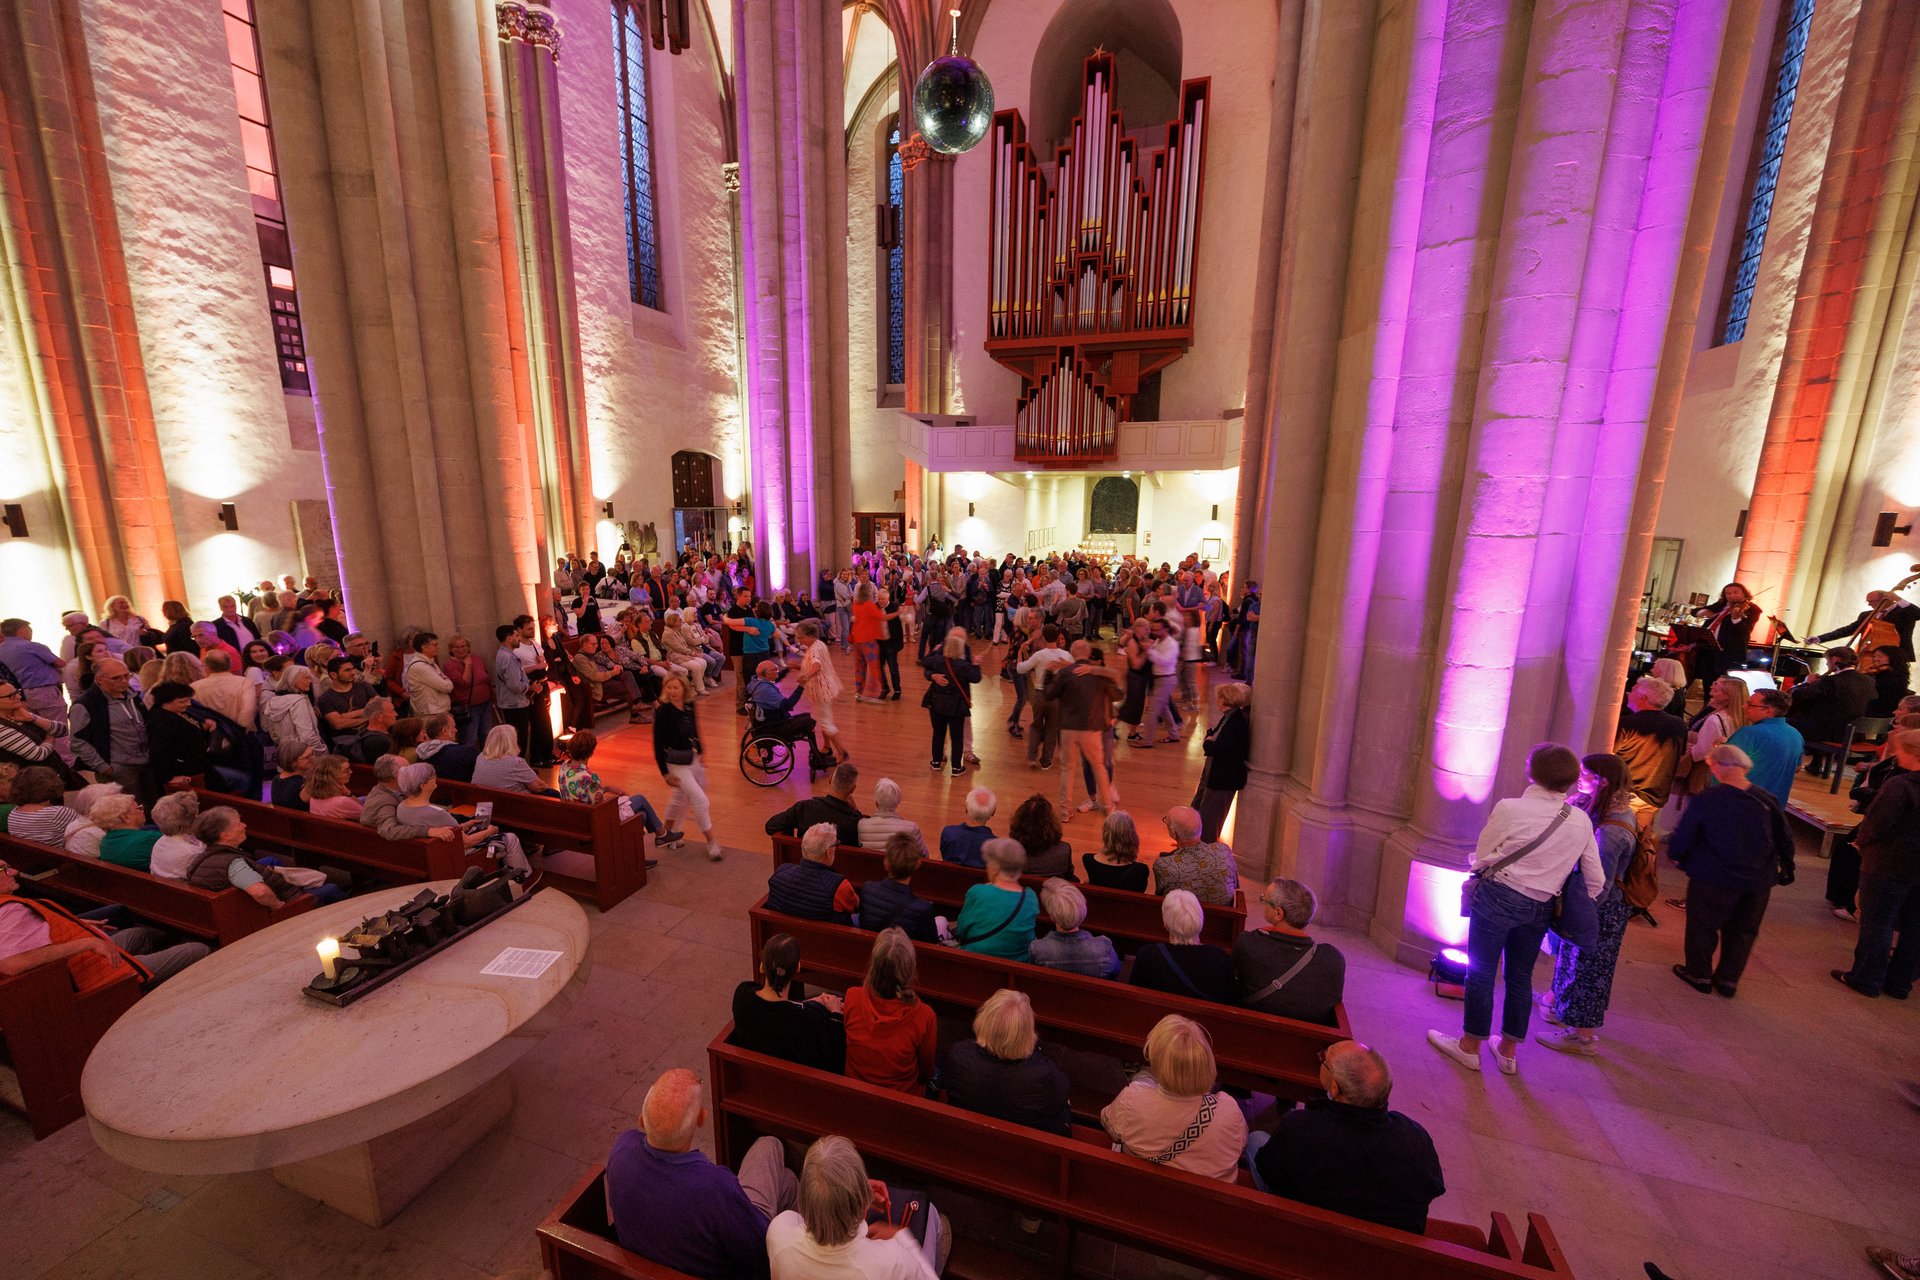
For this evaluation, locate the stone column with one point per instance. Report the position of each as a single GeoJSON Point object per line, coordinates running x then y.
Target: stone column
{"type": "Point", "coordinates": [386, 120]}
{"type": "Point", "coordinates": [529, 53]}
{"type": "Point", "coordinates": [68, 320]}
{"type": "Point", "coordinates": [793, 217]}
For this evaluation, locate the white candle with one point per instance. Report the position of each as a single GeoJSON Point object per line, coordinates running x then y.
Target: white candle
{"type": "Point", "coordinates": [329, 950]}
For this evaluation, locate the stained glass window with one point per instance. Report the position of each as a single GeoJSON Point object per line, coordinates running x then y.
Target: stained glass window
{"type": "Point", "coordinates": [636, 154]}
{"type": "Point", "coordinates": [896, 265]}
{"type": "Point", "coordinates": [1797, 19]}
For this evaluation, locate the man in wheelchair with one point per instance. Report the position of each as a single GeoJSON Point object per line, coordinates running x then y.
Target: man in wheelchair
{"type": "Point", "coordinates": [773, 715]}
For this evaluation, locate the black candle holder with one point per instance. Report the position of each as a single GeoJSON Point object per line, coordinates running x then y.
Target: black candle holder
{"type": "Point", "coordinates": [395, 941]}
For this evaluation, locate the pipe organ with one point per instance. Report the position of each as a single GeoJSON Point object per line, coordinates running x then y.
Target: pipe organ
{"type": "Point", "coordinates": [1091, 277]}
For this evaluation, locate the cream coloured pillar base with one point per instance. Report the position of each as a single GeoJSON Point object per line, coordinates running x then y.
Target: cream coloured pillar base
{"type": "Point", "coordinates": [1417, 909]}
{"type": "Point", "coordinates": [373, 1181]}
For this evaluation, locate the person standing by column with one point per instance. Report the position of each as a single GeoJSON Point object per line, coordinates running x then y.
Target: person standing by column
{"type": "Point", "coordinates": [1525, 853]}
{"type": "Point", "coordinates": [1888, 839]}
{"type": "Point", "coordinates": [1734, 845]}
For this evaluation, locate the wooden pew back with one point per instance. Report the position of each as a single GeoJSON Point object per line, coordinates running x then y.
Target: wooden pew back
{"type": "Point", "coordinates": [1255, 1050]}
{"type": "Point", "coordinates": [1216, 1225]}
{"type": "Point", "coordinates": [216, 916]}
{"type": "Point", "coordinates": [49, 1029]}
{"type": "Point", "coordinates": [577, 1241]}
{"type": "Point", "coordinates": [344, 843]}
{"type": "Point", "coordinates": [1130, 919]}
{"type": "Point", "coordinates": [618, 849]}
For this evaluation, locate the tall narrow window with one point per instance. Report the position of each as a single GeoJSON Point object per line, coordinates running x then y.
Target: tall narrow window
{"type": "Point", "coordinates": [896, 263]}
{"type": "Point", "coordinates": [636, 153]}
{"type": "Point", "coordinates": [1769, 148]}
{"type": "Point", "coordinates": [263, 183]}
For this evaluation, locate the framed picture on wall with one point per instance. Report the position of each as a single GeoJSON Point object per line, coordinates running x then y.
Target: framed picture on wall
{"type": "Point", "coordinates": [1209, 548]}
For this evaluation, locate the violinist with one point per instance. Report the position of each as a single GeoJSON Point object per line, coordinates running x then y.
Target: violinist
{"type": "Point", "coordinates": [1730, 621]}
{"type": "Point", "coordinates": [1887, 620]}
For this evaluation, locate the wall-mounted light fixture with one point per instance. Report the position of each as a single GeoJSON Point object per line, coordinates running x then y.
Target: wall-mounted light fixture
{"type": "Point", "coordinates": [969, 508]}
{"type": "Point", "coordinates": [1216, 509]}
{"type": "Point", "coordinates": [16, 520]}
{"type": "Point", "coordinates": [1886, 526]}
{"type": "Point", "coordinates": [229, 518]}
{"type": "Point", "coordinates": [1740, 524]}
{"type": "Point", "coordinates": [606, 509]}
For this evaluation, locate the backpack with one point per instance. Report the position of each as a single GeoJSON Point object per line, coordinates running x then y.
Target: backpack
{"type": "Point", "coordinates": [1640, 881]}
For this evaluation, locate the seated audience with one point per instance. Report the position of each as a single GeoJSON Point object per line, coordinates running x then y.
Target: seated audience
{"type": "Point", "coordinates": [288, 790]}
{"type": "Point", "coordinates": [35, 931]}
{"type": "Point", "coordinates": [175, 815]}
{"type": "Point", "coordinates": [601, 674]}
{"type": "Point", "coordinates": [579, 783]}
{"type": "Point", "coordinates": [126, 838]}
{"type": "Point", "coordinates": [38, 813]}
{"type": "Point", "coordinates": [962, 841]}
{"type": "Point", "coordinates": [1070, 947]}
{"type": "Point", "coordinates": [342, 703]}
{"type": "Point", "coordinates": [288, 715]}
{"type": "Point", "coordinates": [417, 815]}
{"type": "Point", "coordinates": [1283, 971]}
{"type": "Point", "coordinates": [326, 791]}
{"type": "Point", "coordinates": [375, 739]}
{"type": "Point", "coordinates": [502, 767]}
{"type": "Point", "coordinates": [1171, 1113]}
{"type": "Point", "coordinates": [890, 902]}
{"type": "Point", "coordinates": [997, 916]}
{"type": "Point", "coordinates": [885, 822]}
{"type": "Point", "coordinates": [224, 862]}
{"type": "Point", "coordinates": [767, 1020]}
{"type": "Point", "coordinates": [811, 888]}
{"type": "Point", "coordinates": [1037, 829]}
{"type": "Point", "coordinates": [1823, 706]}
{"type": "Point", "coordinates": [672, 1205]}
{"type": "Point", "coordinates": [1117, 865]}
{"type": "Point", "coordinates": [1184, 965]}
{"type": "Point", "coordinates": [835, 807]}
{"type": "Point", "coordinates": [1348, 1153]}
{"type": "Point", "coordinates": [1204, 868]}
{"type": "Point", "coordinates": [403, 738]}
{"type": "Point", "coordinates": [378, 805]}
{"type": "Point", "coordinates": [442, 748]}
{"type": "Point", "coordinates": [8, 772]}
{"type": "Point", "coordinates": [891, 1033]}
{"type": "Point", "coordinates": [26, 739]}
{"type": "Point", "coordinates": [827, 1233]}
{"type": "Point", "coordinates": [999, 1072]}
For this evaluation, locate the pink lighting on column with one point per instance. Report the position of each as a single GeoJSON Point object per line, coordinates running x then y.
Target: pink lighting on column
{"type": "Point", "coordinates": [1433, 903]}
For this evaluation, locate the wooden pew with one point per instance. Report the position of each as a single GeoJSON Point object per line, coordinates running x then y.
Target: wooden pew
{"type": "Point", "coordinates": [214, 916]}
{"type": "Point", "coordinates": [346, 844]}
{"type": "Point", "coordinates": [618, 849]}
{"type": "Point", "coordinates": [1130, 919]}
{"type": "Point", "coordinates": [577, 1241]}
{"type": "Point", "coordinates": [1223, 1227]}
{"type": "Point", "coordinates": [613, 692]}
{"type": "Point", "coordinates": [1255, 1050]}
{"type": "Point", "coordinates": [49, 1029]}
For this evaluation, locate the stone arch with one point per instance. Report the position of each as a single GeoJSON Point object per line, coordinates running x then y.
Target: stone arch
{"type": "Point", "coordinates": [1144, 37]}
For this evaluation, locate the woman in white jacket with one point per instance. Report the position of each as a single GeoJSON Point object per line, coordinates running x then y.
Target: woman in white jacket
{"type": "Point", "coordinates": [429, 689]}
{"type": "Point", "coordinates": [289, 716]}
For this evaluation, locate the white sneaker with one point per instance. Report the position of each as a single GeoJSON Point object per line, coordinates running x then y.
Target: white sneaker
{"type": "Point", "coordinates": [713, 853]}
{"type": "Point", "coordinates": [1842, 913]}
{"type": "Point", "coordinates": [1509, 1064]}
{"type": "Point", "coordinates": [1450, 1046]}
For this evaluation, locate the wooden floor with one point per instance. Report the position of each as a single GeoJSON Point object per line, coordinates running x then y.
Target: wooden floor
{"type": "Point", "coordinates": [890, 740]}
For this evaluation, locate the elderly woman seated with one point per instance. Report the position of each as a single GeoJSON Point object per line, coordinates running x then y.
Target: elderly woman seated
{"type": "Point", "coordinates": [1070, 947]}
{"type": "Point", "coordinates": [997, 917]}
{"type": "Point", "coordinates": [595, 664]}
{"type": "Point", "coordinates": [767, 1019]}
{"type": "Point", "coordinates": [223, 862]}
{"type": "Point", "coordinates": [892, 1034]}
{"type": "Point", "coordinates": [827, 1233]}
{"type": "Point", "coordinates": [686, 649]}
{"type": "Point", "coordinates": [1172, 1113]}
{"type": "Point", "coordinates": [417, 815]}
{"type": "Point", "coordinates": [38, 812]}
{"type": "Point", "coordinates": [886, 822]}
{"type": "Point", "coordinates": [1184, 965]}
{"type": "Point", "coordinates": [124, 836]}
{"type": "Point", "coordinates": [175, 814]}
{"type": "Point", "coordinates": [501, 767]}
{"type": "Point", "coordinates": [1000, 1072]}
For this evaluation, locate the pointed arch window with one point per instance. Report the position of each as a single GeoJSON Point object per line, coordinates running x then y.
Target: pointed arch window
{"type": "Point", "coordinates": [1770, 147]}
{"type": "Point", "coordinates": [896, 281]}
{"type": "Point", "coordinates": [636, 153]}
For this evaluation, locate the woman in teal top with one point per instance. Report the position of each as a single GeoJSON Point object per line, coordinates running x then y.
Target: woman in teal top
{"type": "Point", "coordinates": [997, 918]}
{"type": "Point", "coordinates": [125, 839]}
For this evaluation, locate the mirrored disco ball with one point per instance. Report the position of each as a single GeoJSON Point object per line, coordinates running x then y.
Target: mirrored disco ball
{"type": "Point", "coordinates": [953, 104]}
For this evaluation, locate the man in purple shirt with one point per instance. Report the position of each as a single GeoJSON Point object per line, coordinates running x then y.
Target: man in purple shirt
{"type": "Point", "coordinates": [674, 1206]}
{"type": "Point", "coordinates": [35, 668]}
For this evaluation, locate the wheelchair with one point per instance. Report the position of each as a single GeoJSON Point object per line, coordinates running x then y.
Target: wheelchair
{"type": "Point", "coordinates": [768, 751]}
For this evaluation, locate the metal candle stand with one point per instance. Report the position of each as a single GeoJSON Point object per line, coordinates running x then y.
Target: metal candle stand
{"type": "Point", "coordinates": [395, 941]}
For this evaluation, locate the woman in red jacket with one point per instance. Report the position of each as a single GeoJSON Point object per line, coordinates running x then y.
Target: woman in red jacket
{"type": "Point", "coordinates": [891, 1034]}
{"type": "Point", "coordinates": [472, 695]}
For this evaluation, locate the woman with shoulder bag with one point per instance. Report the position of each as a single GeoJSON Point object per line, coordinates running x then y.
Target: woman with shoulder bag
{"type": "Point", "coordinates": [1724, 715]}
{"type": "Point", "coordinates": [676, 749]}
{"type": "Point", "coordinates": [1526, 852]}
{"type": "Point", "coordinates": [1583, 973]}
{"type": "Point", "coordinates": [947, 699]}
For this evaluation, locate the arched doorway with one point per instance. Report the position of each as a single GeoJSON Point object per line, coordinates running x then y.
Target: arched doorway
{"type": "Point", "coordinates": [699, 504]}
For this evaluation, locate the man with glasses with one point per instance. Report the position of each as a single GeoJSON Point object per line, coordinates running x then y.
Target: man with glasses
{"type": "Point", "coordinates": [110, 732]}
{"type": "Point", "coordinates": [1774, 746]}
{"type": "Point", "coordinates": [34, 932]}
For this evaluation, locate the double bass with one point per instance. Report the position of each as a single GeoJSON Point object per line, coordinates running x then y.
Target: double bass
{"type": "Point", "coordinates": [1875, 631]}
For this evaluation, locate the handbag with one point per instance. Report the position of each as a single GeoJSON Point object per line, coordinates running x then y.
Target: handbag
{"type": "Point", "coordinates": [1576, 917]}
{"type": "Point", "coordinates": [1472, 883]}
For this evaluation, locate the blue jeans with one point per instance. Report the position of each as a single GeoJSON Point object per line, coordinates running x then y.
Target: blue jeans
{"type": "Point", "coordinates": [1887, 906]}
{"type": "Point", "coordinates": [1505, 923]}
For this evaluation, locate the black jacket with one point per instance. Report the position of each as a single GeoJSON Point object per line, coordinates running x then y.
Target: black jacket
{"type": "Point", "coordinates": [1032, 1091]}
{"type": "Point", "coordinates": [1733, 838]}
{"type": "Point", "coordinates": [795, 819]}
{"type": "Point", "coordinates": [951, 698]}
{"type": "Point", "coordinates": [1901, 617]}
{"type": "Point", "coordinates": [803, 1032]}
{"type": "Point", "coordinates": [1227, 746]}
{"type": "Point", "coordinates": [1366, 1162]}
{"type": "Point", "coordinates": [1888, 838]}
{"type": "Point", "coordinates": [674, 729]}
{"type": "Point", "coordinates": [1195, 970]}
{"type": "Point", "coordinates": [176, 745]}
{"type": "Point", "coordinates": [886, 903]}
{"type": "Point", "coordinates": [1823, 708]}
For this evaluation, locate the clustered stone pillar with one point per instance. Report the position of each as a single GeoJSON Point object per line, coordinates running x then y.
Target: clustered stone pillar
{"type": "Point", "coordinates": [1458, 410]}
{"type": "Point", "coordinates": [529, 52]}
{"type": "Point", "coordinates": [387, 119]}
{"type": "Point", "coordinates": [793, 199]}
{"type": "Point", "coordinates": [66, 325]}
